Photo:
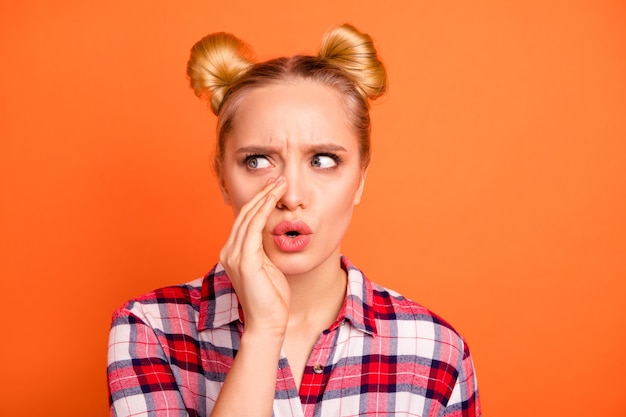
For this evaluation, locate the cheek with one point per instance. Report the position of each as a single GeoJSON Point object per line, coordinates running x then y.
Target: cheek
{"type": "Point", "coordinates": [240, 195]}
{"type": "Point", "coordinates": [238, 190]}
{"type": "Point", "coordinates": [242, 190]}
{"type": "Point", "coordinates": [341, 198]}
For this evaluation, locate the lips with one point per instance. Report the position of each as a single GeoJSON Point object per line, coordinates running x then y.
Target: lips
{"type": "Point", "coordinates": [292, 236]}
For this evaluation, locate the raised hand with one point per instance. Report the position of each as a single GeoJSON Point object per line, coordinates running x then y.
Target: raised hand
{"type": "Point", "coordinates": [260, 286]}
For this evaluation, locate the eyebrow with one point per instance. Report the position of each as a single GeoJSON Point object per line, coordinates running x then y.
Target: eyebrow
{"type": "Point", "coordinates": [257, 149]}
{"type": "Point", "coordinates": [316, 148]}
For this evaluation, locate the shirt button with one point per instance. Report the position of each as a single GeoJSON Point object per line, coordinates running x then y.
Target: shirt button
{"type": "Point", "coordinates": [318, 368]}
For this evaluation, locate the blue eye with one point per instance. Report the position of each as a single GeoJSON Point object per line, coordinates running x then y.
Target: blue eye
{"type": "Point", "coordinates": [325, 161]}
{"type": "Point", "coordinates": [256, 162]}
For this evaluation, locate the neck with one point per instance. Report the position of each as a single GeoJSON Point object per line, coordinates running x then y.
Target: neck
{"type": "Point", "coordinates": [318, 294]}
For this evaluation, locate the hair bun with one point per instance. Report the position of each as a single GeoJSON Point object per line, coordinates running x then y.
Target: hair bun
{"type": "Point", "coordinates": [353, 52]}
{"type": "Point", "coordinates": [215, 63]}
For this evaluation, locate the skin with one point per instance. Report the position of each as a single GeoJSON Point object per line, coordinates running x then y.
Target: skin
{"type": "Point", "coordinates": [291, 155]}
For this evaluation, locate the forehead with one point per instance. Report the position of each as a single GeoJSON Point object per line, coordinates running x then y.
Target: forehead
{"type": "Point", "coordinates": [299, 111]}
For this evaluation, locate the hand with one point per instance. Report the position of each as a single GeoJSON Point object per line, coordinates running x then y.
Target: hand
{"type": "Point", "coordinates": [261, 287]}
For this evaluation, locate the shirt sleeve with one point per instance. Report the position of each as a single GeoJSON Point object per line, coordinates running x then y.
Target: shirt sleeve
{"type": "Point", "coordinates": [140, 378]}
{"type": "Point", "coordinates": [464, 400]}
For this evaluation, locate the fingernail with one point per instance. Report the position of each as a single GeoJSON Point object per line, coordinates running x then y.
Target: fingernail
{"type": "Point", "coordinates": [269, 180]}
{"type": "Point", "coordinates": [279, 179]}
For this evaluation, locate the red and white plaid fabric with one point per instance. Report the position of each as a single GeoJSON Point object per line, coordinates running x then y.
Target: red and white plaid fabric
{"type": "Point", "coordinates": [170, 350]}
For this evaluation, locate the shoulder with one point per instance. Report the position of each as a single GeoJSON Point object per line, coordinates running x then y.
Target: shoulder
{"type": "Point", "coordinates": [397, 317]}
{"type": "Point", "coordinates": [200, 304]}
{"type": "Point", "coordinates": [160, 307]}
{"type": "Point", "coordinates": [392, 305]}
{"type": "Point", "coordinates": [435, 349]}
{"type": "Point", "coordinates": [400, 317]}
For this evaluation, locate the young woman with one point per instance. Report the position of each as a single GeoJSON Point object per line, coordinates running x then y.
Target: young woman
{"type": "Point", "coordinates": [284, 324]}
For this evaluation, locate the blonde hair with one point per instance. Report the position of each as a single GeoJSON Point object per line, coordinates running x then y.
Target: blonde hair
{"type": "Point", "coordinates": [221, 70]}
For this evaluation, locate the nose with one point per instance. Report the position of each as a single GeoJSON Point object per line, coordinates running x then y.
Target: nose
{"type": "Point", "coordinates": [297, 194]}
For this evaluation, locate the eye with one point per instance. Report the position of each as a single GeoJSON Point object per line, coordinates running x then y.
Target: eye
{"type": "Point", "coordinates": [325, 161]}
{"type": "Point", "coordinates": [256, 162]}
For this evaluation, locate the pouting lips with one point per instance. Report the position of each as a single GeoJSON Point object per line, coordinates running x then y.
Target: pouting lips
{"type": "Point", "coordinates": [292, 236]}
{"type": "Point", "coordinates": [291, 229]}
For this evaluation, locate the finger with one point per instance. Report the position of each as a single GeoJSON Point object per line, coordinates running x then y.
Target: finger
{"type": "Point", "coordinates": [251, 211]}
{"type": "Point", "coordinates": [245, 252]}
{"type": "Point", "coordinates": [232, 251]}
{"type": "Point", "coordinates": [258, 216]}
{"type": "Point", "coordinates": [271, 183]}
{"type": "Point", "coordinates": [253, 237]}
{"type": "Point", "coordinates": [247, 207]}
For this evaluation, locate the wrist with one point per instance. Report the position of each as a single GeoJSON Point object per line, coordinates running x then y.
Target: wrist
{"type": "Point", "coordinates": [273, 337]}
{"type": "Point", "coordinates": [264, 328]}
{"type": "Point", "coordinates": [262, 347]}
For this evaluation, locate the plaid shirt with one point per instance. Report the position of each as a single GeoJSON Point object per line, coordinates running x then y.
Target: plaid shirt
{"type": "Point", "coordinates": [170, 350]}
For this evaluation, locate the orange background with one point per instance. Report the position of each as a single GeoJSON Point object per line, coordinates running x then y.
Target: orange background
{"type": "Point", "coordinates": [496, 197]}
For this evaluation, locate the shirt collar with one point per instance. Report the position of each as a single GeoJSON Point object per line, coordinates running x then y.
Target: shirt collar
{"type": "Point", "coordinates": [359, 307]}
{"type": "Point", "coordinates": [219, 305]}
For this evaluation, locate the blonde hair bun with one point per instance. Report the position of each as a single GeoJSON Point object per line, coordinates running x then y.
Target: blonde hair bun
{"type": "Point", "coordinates": [215, 63]}
{"type": "Point", "coordinates": [353, 52]}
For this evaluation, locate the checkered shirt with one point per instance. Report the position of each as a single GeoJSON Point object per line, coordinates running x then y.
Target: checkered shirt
{"type": "Point", "coordinates": [170, 350]}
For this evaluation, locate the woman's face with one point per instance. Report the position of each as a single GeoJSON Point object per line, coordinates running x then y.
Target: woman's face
{"type": "Point", "coordinates": [298, 130]}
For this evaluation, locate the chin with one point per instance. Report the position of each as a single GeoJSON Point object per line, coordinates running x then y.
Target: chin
{"type": "Point", "coordinates": [292, 263]}
{"type": "Point", "coordinates": [297, 263]}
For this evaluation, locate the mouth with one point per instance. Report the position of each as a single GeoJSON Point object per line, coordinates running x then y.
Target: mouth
{"type": "Point", "coordinates": [292, 229]}
{"type": "Point", "coordinates": [292, 236]}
